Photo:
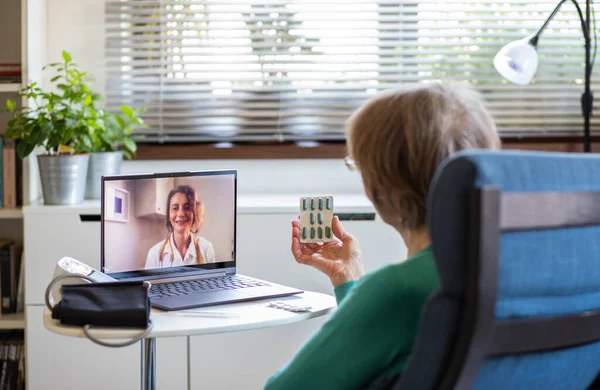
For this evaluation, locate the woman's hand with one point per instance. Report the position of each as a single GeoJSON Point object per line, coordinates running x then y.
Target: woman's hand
{"type": "Point", "coordinates": [339, 259]}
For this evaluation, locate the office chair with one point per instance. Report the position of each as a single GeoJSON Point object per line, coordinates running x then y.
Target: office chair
{"type": "Point", "coordinates": [516, 239]}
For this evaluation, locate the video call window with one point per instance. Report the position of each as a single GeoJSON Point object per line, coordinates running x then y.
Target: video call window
{"type": "Point", "coordinates": [168, 222]}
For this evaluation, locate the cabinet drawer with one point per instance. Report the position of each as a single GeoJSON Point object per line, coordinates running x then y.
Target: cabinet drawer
{"type": "Point", "coordinates": [49, 238]}
{"type": "Point", "coordinates": [61, 362]}
{"type": "Point", "coordinates": [245, 360]}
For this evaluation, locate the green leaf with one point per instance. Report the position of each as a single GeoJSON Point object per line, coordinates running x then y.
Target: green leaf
{"type": "Point", "coordinates": [120, 121]}
{"type": "Point", "coordinates": [10, 105]}
{"type": "Point", "coordinates": [38, 137]}
{"type": "Point", "coordinates": [87, 141]}
{"type": "Point", "coordinates": [130, 145]}
{"type": "Point", "coordinates": [127, 110]}
{"type": "Point", "coordinates": [11, 133]}
{"type": "Point", "coordinates": [47, 127]}
{"type": "Point", "coordinates": [88, 100]}
{"type": "Point", "coordinates": [53, 79]}
{"type": "Point", "coordinates": [24, 149]}
{"type": "Point", "coordinates": [66, 56]}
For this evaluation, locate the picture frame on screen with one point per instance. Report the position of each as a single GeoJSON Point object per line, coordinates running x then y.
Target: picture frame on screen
{"type": "Point", "coordinates": [117, 204]}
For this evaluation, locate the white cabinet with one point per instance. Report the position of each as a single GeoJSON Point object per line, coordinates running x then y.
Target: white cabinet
{"type": "Point", "coordinates": [150, 197]}
{"type": "Point", "coordinates": [216, 355]}
{"type": "Point", "coordinates": [220, 361]}
{"type": "Point", "coordinates": [244, 360]}
{"type": "Point", "coordinates": [52, 232]}
{"type": "Point", "coordinates": [59, 362]}
{"type": "Point", "coordinates": [56, 362]}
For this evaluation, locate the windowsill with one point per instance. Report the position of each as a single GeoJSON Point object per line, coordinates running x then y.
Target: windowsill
{"type": "Point", "coordinates": [291, 150]}
{"type": "Point", "coordinates": [242, 151]}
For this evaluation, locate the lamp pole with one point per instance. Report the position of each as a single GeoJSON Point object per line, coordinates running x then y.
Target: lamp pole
{"type": "Point", "coordinates": [587, 98]}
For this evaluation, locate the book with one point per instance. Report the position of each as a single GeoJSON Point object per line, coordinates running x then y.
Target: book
{"type": "Point", "coordinates": [1, 175]}
{"type": "Point", "coordinates": [5, 285]}
{"type": "Point", "coordinates": [18, 179]}
{"type": "Point", "coordinates": [12, 359]}
{"type": "Point", "coordinates": [10, 80]}
{"type": "Point", "coordinates": [15, 271]}
{"type": "Point", "coordinates": [21, 286]}
{"type": "Point", "coordinates": [9, 171]}
{"type": "Point", "coordinates": [10, 267]}
{"type": "Point", "coordinates": [10, 70]}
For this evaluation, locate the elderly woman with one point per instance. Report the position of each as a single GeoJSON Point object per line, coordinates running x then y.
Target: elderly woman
{"type": "Point", "coordinates": [396, 141]}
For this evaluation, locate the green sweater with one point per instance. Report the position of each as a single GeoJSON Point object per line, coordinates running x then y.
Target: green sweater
{"type": "Point", "coordinates": [370, 334]}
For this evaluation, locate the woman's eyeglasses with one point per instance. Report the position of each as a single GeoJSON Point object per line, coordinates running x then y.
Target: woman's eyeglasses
{"type": "Point", "coordinates": [350, 164]}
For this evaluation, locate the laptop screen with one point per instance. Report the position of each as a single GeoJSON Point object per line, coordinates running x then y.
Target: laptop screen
{"type": "Point", "coordinates": [153, 224]}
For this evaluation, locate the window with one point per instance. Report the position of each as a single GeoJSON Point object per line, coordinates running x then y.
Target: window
{"type": "Point", "coordinates": [245, 70]}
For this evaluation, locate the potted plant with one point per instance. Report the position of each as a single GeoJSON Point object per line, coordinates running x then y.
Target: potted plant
{"type": "Point", "coordinates": [111, 142]}
{"type": "Point", "coordinates": [74, 132]}
{"type": "Point", "coordinates": [56, 121]}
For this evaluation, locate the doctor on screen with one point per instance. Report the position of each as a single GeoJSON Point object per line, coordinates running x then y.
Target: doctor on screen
{"type": "Point", "coordinates": [185, 214]}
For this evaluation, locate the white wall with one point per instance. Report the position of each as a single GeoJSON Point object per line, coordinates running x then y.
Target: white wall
{"type": "Point", "coordinates": [78, 27]}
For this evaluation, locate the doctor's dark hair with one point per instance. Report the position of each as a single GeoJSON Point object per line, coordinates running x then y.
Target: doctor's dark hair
{"type": "Point", "coordinates": [197, 207]}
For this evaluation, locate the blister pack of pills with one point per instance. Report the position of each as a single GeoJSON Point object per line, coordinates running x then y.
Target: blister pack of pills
{"type": "Point", "coordinates": [316, 214]}
{"type": "Point", "coordinates": [288, 307]}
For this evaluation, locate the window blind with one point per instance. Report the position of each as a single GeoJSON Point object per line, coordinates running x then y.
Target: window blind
{"type": "Point", "coordinates": [244, 70]}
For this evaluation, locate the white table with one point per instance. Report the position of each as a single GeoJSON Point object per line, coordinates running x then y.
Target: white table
{"type": "Point", "coordinates": [241, 316]}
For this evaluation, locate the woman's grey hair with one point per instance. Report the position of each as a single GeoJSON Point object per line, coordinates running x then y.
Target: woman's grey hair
{"type": "Point", "coordinates": [398, 138]}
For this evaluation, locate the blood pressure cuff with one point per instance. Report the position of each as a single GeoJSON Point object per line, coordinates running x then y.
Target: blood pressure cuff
{"type": "Point", "coordinates": [114, 304]}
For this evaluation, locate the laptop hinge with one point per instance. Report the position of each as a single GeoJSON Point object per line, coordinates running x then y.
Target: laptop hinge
{"type": "Point", "coordinates": [190, 277]}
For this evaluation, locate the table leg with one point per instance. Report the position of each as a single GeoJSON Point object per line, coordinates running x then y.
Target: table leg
{"type": "Point", "coordinates": [148, 364]}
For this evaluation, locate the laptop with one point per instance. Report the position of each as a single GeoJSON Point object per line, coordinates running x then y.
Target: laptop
{"type": "Point", "coordinates": [177, 231]}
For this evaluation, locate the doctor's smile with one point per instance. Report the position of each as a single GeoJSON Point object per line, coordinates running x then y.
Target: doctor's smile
{"type": "Point", "coordinates": [183, 245]}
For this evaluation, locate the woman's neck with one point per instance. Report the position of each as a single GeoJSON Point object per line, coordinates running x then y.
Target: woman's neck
{"type": "Point", "coordinates": [182, 242]}
{"type": "Point", "coordinates": [415, 240]}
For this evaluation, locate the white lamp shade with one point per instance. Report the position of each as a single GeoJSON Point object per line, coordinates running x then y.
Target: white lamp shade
{"type": "Point", "coordinates": [517, 61]}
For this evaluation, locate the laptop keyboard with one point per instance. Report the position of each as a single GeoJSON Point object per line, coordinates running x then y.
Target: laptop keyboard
{"type": "Point", "coordinates": [185, 287]}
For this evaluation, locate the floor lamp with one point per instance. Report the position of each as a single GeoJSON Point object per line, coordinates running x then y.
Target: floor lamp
{"type": "Point", "coordinates": [518, 60]}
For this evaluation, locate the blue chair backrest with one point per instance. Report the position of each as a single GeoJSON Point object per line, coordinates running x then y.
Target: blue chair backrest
{"type": "Point", "coordinates": [541, 273]}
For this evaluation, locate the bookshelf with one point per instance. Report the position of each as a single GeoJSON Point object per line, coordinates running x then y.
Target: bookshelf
{"type": "Point", "coordinates": [24, 21]}
{"type": "Point", "coordinates": [11, 214]}
{"type": "Point", "coordinates": [10, 87]}
{"type": "Point", "coordinates": [12, 321]}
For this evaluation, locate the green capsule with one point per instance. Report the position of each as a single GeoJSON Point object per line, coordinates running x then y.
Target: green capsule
{"type": "Point", "coordinates": [320, 232]}
{"type": "Point", "coordinates": [312, 232]}
{"type": "Point", "coordinates": [320, 203]}
{"type": "Point", "coordinates": [312, 218]}
{"type": "Point", "coordinates": [320, 218]}
{"type": "Point", "coordinates": [329, 203]}
{"type": "Point", "coordinates": [327, 232]}
{"type": "Point", "coordinates": [304, 233]}
{"type": "Point", "coordinates": [304, 203]}
{"type": "Point", "coordinates": [312, 204]}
